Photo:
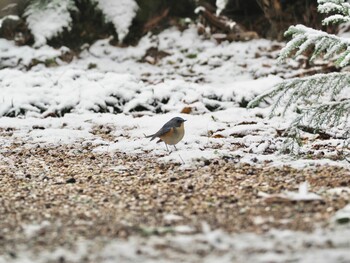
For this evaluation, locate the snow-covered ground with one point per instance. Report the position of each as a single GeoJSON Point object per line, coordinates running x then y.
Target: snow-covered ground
{"type": "Point", "coordinates": [210, 246]}
{"type": "Point", "coordinates": [129, 92]}
{"type": "Point", "coordinates": [210, 82]}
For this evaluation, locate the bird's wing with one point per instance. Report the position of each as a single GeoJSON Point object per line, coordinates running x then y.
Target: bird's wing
{"type": "Point", "coordinates": [161, 132]}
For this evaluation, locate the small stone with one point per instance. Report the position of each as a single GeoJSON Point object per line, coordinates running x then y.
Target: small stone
{"type": "Point", "coordinates": [71, 180]}
{"type": "Point", "coordinates": [206, 162]}
{"type": "Point", "coordinates": [37, 127]}
{"type": "Point", "coordinates": [172, 179]}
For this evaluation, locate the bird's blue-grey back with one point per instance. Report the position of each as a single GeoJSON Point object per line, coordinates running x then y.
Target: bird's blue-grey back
{"type": "Point", "coordinates": [161, 132]}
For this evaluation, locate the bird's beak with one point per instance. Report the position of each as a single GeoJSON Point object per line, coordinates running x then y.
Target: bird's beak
{"type": "Point", "coordinates": [185, 120]}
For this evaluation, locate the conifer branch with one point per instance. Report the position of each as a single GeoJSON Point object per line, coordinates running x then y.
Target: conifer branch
{"type": "Point", "coordinates": [322, 100]}
{"type": "Point", "coordinates": [341, 9]}
{"type": "Point", "coordinates": [306, 39]}
{"type": "Point", "coordinates": [305, 89]}
{"type": "Point", "coordinates": [326, 114]}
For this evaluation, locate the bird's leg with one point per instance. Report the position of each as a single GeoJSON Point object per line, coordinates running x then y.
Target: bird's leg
{"type": "Point", "coordinates": [175, 147]}
{"type": "Point", "coordinates": [166, 147]}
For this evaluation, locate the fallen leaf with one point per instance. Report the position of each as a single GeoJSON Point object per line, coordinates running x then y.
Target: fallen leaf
{"type": "Point", "coordinates": [186, 110]}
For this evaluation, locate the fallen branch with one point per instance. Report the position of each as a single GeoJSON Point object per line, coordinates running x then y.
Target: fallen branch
{"type": "Point", "coordinates": [223, 28]}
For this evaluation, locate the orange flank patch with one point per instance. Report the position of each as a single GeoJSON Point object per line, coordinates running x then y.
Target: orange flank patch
{"type": "Point", "coordinates": [166, 136]}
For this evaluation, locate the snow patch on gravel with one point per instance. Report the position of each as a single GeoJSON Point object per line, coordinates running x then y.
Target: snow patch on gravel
{"type": "Point", "coordinates": [322, 246]}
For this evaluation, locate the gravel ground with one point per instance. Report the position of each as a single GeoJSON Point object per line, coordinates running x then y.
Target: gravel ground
{"type": "Point", "coordinates": [55, 196]}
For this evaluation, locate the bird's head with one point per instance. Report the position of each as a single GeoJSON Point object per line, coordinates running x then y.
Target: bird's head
{"type": "Point", "coordinates": [177, 121]}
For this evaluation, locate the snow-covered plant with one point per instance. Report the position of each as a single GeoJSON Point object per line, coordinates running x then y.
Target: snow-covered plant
{"type": "Point", "coordinates": [220, 6]}
{"type": "Point", "coordinates": [120, 13]}
{"type": "Point", "coordinates": [322, 101]}
{"type": "Point", "coordinates": [47, 18]}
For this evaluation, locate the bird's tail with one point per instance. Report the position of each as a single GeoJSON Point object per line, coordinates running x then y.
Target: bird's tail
{"type": "Point", "coordinates": [150, 136]}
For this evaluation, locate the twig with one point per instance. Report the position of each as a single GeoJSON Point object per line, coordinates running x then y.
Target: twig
{"type": "Point", "coordinates": [183, 162]}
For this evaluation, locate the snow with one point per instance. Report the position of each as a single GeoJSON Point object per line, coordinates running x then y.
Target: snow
{"type": "Point", "coordinates": [199, 9]}
{"type": "Point", "coordinates": [172, 218]}
{"type": "Point", "coordinates": [331, 6]}
{"type": "Point", "coordinates": [47, 21]}
{"type": "Point", "coordinates": [335, 19]}
{"type": "Point", "coordinates": [339, 191]}
{"type": "Point", "coordinates": [302, 195]}
{"type": "Point", "coordinates": [65, 105]}
{"type": "Point", "coordinates": [21, 56]}
{"type": "Point", "coordinates": [32, 230]}
{"type": "Point", "coordinates": [211, 80]}
{"type": "Point", "coordinates": [220, 5]}
{"type": "Point", "coordinates": [45, 92]}
{"type": "Point", "coordinates": [120, 13]}
{"type": "Point", "coordinates": [342, 216]}
{"type": "Point", "coordinates": [323, 246]}
{"type": "Point", "coordinates": [12, 17]}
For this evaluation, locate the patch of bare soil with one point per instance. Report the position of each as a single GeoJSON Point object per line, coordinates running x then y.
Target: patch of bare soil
{"type": "Point", "coordinates": [80, 194]}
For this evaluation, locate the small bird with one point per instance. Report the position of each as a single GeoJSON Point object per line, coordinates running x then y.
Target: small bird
{"type": "Point", "coordinates": [171, 133]}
